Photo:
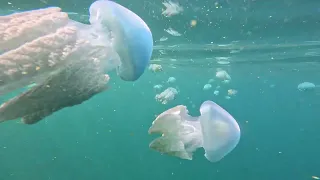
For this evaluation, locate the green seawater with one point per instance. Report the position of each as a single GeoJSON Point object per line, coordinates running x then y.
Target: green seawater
{"type": "Point", "coordinates": [272, 46]}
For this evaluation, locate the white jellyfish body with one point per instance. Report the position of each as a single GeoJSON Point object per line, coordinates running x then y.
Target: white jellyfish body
{"type": "Point", "coordinates": [171, 80]}
{"type": "Point", "coordinates": [215, 130]}
{"type": "Point", "coordinates": [227, 81]}
{"type": "Point", "coordinates": [67, 60]}
{"type": "Point", "coordinates": [306, 86]}
{"type": "Point", "coordinates": [210, 81]}
{"type": "Point", "coordinates": [223, 75]}
{"type": "Point", "coordinates": [232, 92]}
{"type": "Point", "coordinates": [167, 95]}
{"type": "Point", "coordinates": [155, 67]}
{"type": "Point", "coordinates": [157, 87]}
{"type": "Point", "coordinates": [207, 87]}
{"type": "Point", "coordinates": [172, 8]}
{"type": "Point", "coordinates": [216, 92]}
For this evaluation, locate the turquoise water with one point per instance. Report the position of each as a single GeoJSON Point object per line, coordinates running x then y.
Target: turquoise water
{"type": "Point", "coordinates": [107, 136]}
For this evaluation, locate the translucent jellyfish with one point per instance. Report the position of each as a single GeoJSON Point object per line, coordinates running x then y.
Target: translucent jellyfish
{"type": "Point", "coordinates": [67, 60]}
{"type": "Point", "coordinates": [172, 32]}
{"type": "Point", "coordinates": [223, 75]}
{"type": "Point", "coordinates": [207, 87]}
{"type": "Point", "coordinates": [167, 95]}
{"type": "Point", "coordinates": [306, 86]}
{"type": "Point", "coordinates": [223, 60]}
{"type": "Point", "coordinates": [155, 67]}
{"type": "Point", "coordinates": [232, 92]}
{"type": "Point", "coordinates": [210, 81]}
{"type": "Point", "coordinates": [215, 130]}
{"type": "Point", "coordinates": [163, 39]}
{"type": "Point", "coordinates": [157, 87]}
{"type": "Point", "coordinates": [216, 92]}
{"type": "Point", "coordinates": [171, 80]}
{"type": "Point", "coordinates": [171, 9]}
{"type": "Point", "coordinates": [227, 81]}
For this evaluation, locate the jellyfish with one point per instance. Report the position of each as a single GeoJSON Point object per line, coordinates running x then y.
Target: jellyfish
{"type": "Point", "coordinates": [210, 81]}
{"type": "Point", "coordinates": [172, 8]}
{"type": "Point", "coordinates": [67, 60]}
{"type": "Point", "coordinates": [215, 130]}
{"type": "Point", "coordinates": [306, 86]}
{"type": "Point", "coordinates": [171, 80]}
{"type": "Point", "coordinates": [207, 87]}
{"type": "Point", "coordinates": [232, 92]}
{"type": "Point", "coordinates": [167, 95]}
{"type": "Point", "coordinates": [223, 75]}
{"type": "Point", "coordinates": [157, 87]}
{"type": "Point", "coordinates": [155, 67]}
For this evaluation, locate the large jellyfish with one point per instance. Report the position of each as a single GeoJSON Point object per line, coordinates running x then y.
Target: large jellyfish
{"type": "Point", "coordinates": [215, 130]}
{"type": "Point", "coordinates": [67, 60]}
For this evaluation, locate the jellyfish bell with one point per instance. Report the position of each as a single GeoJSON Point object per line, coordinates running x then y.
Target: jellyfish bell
{"type": "Point", "coordinates": [221, 132]}
{"type": "Point", "coordinates": [132, 37]}
{"type": "Point", "coordinates": [306, 86]}
{"type": "Point", "coordinates": [67, 60]}
{"type": "Point", "coordinates": [215, 130]}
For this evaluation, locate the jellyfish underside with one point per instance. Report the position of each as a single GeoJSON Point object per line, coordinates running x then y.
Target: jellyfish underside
{"type": "Point", "coordinates": [215, 130]}
{"type": "Point", "coordinates": [66, 59]}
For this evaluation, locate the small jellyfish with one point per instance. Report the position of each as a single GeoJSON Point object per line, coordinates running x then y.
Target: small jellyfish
{"type": "Point", "coordinates": [167, 95]}
{"type": "Point", "coordinates": [172, 8]}
{"type": "Point", "coordinates": [157, 87]}
{"type": "Point", "coordinates": [210, 81]}
{"type": "Point", "coordinates": [306, 86]}
{"type": "Point", "coordinates": [215, 130]}
{"type": "Point", "coordinates": [223, 75]}
{"type": "Point", "coordinates": [171, 80]}
{"type": "Point", "coordinates": [155, 67]}
{"type": "Point", "coordinates": [216, 92]}
{"type": "Point", "coordinates": [227, 97]}
{"type": "Point", "coordinates": [163, 39]}
{"type": "Point", "coordinates": [226, 81]}
{"type": "Point", "coordinates": [223, 60]}
{"type": "Point", "coordinates": [172, 32]}
{"type": "Point", "coordinates": [232, 92]}
{"type": "Point", "coordinates": [207, 87]}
